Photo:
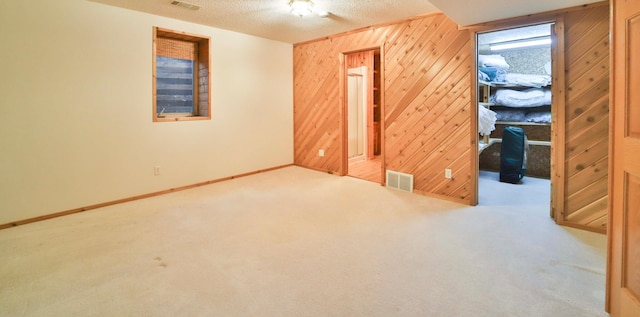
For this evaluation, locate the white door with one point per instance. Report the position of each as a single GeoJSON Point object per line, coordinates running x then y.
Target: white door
{"type": "Point", "coordinates": [357, 112]}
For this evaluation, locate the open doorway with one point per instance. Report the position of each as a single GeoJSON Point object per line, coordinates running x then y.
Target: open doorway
{"type": "Point", "coordinates": [515, 114]}
{"type": "Point", "coordinates": [363, 115]}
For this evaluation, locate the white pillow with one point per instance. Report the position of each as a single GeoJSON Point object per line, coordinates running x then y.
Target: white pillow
{"type": "Point", "coordinates": [492, 61]}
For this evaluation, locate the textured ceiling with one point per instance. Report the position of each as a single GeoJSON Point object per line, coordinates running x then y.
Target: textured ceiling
{"type": "Point", "coordinates": [271, 18]}
{"type": "Point", "coordinates": [469, 12]}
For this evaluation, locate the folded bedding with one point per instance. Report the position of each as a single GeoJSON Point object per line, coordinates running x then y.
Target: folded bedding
{"type": "Point", "coordinates": [534, 97]}
{"type": "Point", "coordinates": [534, 114]}
{"type": "Point", "coordinates": [538, 117]}
{"type": "Point", "coordinates": [528, 80]}
{"type": "Point", "coordinates": [511, 115]}
{"type": "Point", "coordinates": [494, 74]}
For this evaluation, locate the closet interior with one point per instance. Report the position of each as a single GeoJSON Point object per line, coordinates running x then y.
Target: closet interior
{"type": "Point", "coordinates": [514, 89]}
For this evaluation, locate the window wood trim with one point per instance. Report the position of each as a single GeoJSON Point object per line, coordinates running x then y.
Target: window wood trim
{"type": "Point", "coordinates": [202, 58]}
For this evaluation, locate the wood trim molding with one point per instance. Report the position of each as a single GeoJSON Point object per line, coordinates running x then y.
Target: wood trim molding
{"type": "Point", "coordinates": [124, 200]}
{"type": "Point", "coordinates": [558, 132]}
{"type": "Point", "coordinates": [383, 166]}
{"type": "Point", "coordinates": [613, 31]}
{"type": "Point", "coordinates": [344, 128]}
{"type": "Point", "coordinates": [342, 91]}
{"type": "Point", "coordinates": [582, 227]}
{"type": "Point", "coordinates": [202, 57]}
{"type": "Point", "coordinates": [474, 138]}
{"type": "Point", "coordinates": [317, 169]}
{"type": "Point", "coordinates": [442, 197]}
{"type": "Point", "coordinates": [558, 128]}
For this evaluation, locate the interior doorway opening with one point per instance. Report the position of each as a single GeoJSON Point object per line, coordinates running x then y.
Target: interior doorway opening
{"type": "Point", "coordinates": [515, 112]}
{"type": "Point", "coordinates": [363, 115]}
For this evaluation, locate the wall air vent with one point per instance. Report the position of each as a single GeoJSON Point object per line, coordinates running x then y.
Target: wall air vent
{"type": "Point", "coordinates": [400, 181]}
{"type": "Point", "coordinates": [186, 5]}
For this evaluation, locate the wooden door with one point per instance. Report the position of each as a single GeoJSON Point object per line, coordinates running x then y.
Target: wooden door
{"type": "Point", "coordinates": [583, 176]}
{"type": "Point", "coordinates": [623, 280]}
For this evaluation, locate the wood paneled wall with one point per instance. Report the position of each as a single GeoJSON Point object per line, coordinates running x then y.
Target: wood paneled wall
{"type": "Point", "coordinates": [426, 106]}
{"type": "Point", "coordinates": [358, 59]}
{"type": "Point", "coordinates": [587, 118]}
{"type": "Point", "coordinates": [426, 102]}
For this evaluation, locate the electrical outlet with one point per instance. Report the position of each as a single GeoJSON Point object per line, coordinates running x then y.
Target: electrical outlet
{"type": "Point", "coordinates": [447, 173]}
{"type": "Point", "coordinates": [156, 170]}
{"type": "Point", "coordinates": [320, 152]}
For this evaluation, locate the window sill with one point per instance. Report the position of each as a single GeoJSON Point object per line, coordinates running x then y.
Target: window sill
{"type": "Point", "coordinates": [174, 119]}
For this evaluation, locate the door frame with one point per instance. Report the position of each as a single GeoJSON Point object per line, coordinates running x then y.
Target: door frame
{"type": "Point", "coordinates": [557, 110]}
{"type": "Point", "coordinates": [344, 129]}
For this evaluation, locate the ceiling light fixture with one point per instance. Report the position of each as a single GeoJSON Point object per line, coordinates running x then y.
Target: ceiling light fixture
{"type": "Point", "coordinates": [301, 7]}
{"type": "Point", "coordinates": [539, 41]}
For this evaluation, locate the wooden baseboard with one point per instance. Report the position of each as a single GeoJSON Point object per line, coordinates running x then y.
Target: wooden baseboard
{"type": "Point", "coordinates": [318, 170]}
{"type": "Point", "coordinates": [415, 191]}
{"type": "Point", "coordinates": [443, 197]}
{"type": "Point", "coordinates": [583, 227]}
{"type": "Point", "coordinates": [124, 200]}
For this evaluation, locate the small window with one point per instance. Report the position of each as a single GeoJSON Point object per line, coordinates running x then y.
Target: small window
{"type": "Point", "coordinates": [180, 76]}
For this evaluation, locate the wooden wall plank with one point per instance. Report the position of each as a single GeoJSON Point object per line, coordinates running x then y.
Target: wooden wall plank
{"type": "Point", "coordinates": [317, 102]}
{"type": "Point", "coordinates": [426, 98]}
{"type": "Point", "coordinates": [426, 68]}
{"type": "Point", "coordinates": [596, 103]}
{"type": "Point", "coordinates": [593, 78]}
{"type": "Point", "coordinates": [590, 213]}
{"type": "Point", "coordinates": [584, 197]}
{"type": "Point", "coordinates": [425, 114]}
{"type": "Point", "coordinates": [587, 175]}
{"type": "Point", "coordinates": [587, 118]}
{"type": "Point", "coordinates": [584, 141]}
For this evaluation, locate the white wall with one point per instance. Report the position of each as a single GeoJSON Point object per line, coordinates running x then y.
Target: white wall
{"type": "Point", "coordinates": [76, 115]}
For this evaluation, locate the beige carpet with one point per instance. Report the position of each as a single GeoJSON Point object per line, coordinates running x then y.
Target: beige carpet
{"type": "Point", "coordinates": [295, 242]}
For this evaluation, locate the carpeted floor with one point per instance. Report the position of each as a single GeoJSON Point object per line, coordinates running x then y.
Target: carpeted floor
{"type": "Point", "coordinates": [295, 242]}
